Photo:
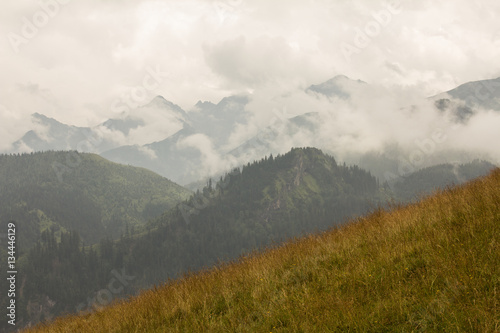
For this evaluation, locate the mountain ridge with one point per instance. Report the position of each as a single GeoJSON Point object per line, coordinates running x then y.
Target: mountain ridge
{"type": "Point", "coordinates": [214, 125]}
{"type": "Point", "coordinates": [263, 203]}
{"type": "Point", "coordinates": [389, 271]}
{"type": "Point", "coordinates": [338, 86]}
{"type": "Point", "coordinates": [37, 188]}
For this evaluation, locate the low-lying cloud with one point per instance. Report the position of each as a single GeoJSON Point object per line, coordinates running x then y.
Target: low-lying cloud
{"type": "Point", "coordinates": [89, 53]}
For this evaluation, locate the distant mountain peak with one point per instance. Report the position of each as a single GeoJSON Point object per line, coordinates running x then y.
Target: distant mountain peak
{"type": "Point", "coordinates": [343, 78]}
{"type": "Point", "coordinates": [204, 104]}
{"type": "Point", "coordinates": [44, 120]}
{"type": "Point", "coordinates": [482, 93]}
{"type": "Point", "coordinates": [340, 76]}
{"type": "Point", "coordinates": [233, 99]}
{"type": "Point", "coordinates": [489, 84]}
{"type": "Point", "coordinates": [160, 98]}
{"type": "Point", "coordinates": [338, 86]}
{"type": "Point", "coordinates": [38, 115]}
{"type": "Point", "coordinates": [42, 117]}
{"type": "Point", "coordinates": [160, 101]}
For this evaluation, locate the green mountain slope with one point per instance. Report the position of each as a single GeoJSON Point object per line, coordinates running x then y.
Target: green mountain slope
{"type": "Point", "coordinates": [262, 204]}
{"type": "Point", "coordinates": [427, 180]}
{"type": "Point", "coordinates": [266, 202]}
{"type": "Point", "coordinates": [80, 192]}
{"type": "Point", "coordinates": [429, 267]}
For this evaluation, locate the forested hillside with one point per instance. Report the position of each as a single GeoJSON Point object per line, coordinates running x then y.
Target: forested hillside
{"type": "Point", "coordinates": [70, 191]}
{"type": "Point", "coordinates": [261, 204]}
{"type": "Point", "coordinates": [431, 266]}
{"type": "Point", "coordinates": [268, 201]}
{"type": "Point", "coordinates": [250, 208]}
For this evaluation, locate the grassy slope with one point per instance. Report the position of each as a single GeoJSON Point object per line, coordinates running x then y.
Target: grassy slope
{"type": "Point", "coordinates": [431, 266]}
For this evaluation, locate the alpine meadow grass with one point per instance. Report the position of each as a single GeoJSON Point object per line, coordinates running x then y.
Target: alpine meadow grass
{"type": "Point", "coordinates": [432, 266]}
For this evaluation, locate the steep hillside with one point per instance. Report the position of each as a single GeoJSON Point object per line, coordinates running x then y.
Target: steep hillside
{"type": "Point", "coordinates": [266, 202]}
{"type": "Point", "coordinates": [431, 266]}
{"type": "Point", "coordinates": [80, 192]}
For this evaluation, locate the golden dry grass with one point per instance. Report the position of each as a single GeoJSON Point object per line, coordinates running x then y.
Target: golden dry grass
{"type": "Point", "coordinates": [432, 266]}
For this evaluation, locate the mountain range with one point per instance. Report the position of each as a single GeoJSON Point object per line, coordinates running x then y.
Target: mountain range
{"type": "Point", "coordinates": [260, 204]}
{"type": "Point", "coordinates": [83, 213]}
{"type": "Point", "coordinates": [81, 217]}
{"type": "Point", "coordinates": [431, 266]}
{"type": "Point", "coordinates": [164, 138]}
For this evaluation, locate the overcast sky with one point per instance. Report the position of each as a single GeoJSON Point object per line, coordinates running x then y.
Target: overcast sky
{"type": "Point", "coordinates": [75, 60]}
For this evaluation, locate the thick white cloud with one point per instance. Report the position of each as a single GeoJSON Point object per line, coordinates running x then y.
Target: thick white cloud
{"type": "Point", "coordinates": [74, 59]}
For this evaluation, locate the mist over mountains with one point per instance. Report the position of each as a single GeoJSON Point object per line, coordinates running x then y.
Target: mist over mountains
{"type": "Point", "coordinates": [142, 141]}
{"type": "Point", "coordinates": [405, 132]}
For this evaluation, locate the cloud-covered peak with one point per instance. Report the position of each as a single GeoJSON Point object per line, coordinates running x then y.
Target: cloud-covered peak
{"type": "Point", "coordinates": [43, 118]}
{"type": "Point", "coordinates": [159, 99]}
{"type": "Point", "coordinates": [204, 105]}
{"type": "Point", "coordinates": [162, 104]}
{"type": "Point", "coordinates": [484, 93]}
{"type": "Point", "coordinates": [339, 86]}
